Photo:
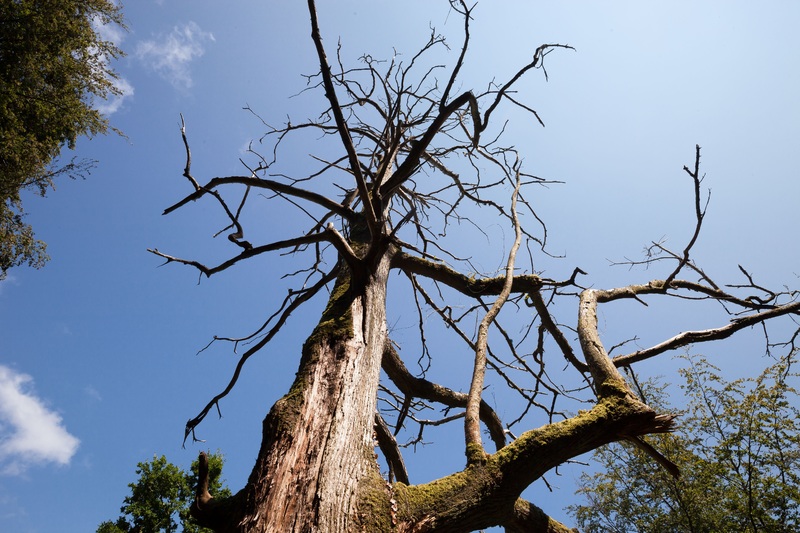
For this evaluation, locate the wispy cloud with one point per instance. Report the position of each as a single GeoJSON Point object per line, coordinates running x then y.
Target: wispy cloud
{"type": "Point", "coordinates": [92, 393]}
{"type": "Point", "coordinates": [115, 101]}
{"type": "Point", "coordinates": [114, 33]}
{"type": "Point", "coordinates": [170, 55]}
{"type": "Point", "coordinates": [109, 32]}
{"type": "Point", "coordinates": [31, 433]}
{"type": "Point", "coordinates": [8, 280]}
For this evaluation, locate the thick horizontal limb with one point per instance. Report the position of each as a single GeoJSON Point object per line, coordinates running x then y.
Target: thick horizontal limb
{"type": "Point", "coordinates": [459, 501]}
{"type": "Point", "coordinates": [536, 451]}
{"type": "Point", "coordinates": [464, 284]}
{"type": "Point", "coordinates": [426, 390]}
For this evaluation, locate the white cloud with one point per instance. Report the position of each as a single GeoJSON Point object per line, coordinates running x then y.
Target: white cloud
{"type": "Point", "coordinates": [109, 32]}
{"type": "Point", "coordinates": [116, 34]}
{"type": "Point", "coordinates": [115, 101]}
{"type": "Point", "coordinates": [30, 433]}
{"type": "Point", "coordinates": [170, 55]}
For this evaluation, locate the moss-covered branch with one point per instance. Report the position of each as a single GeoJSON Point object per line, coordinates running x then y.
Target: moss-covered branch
{"type": "Point", "coordinates": [483, 493]}
{"type": "Point", "coordinates": [528, 517]}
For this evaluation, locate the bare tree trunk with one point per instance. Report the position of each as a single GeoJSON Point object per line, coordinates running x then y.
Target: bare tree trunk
{"type": "Point", "coordinates": [317, 452]}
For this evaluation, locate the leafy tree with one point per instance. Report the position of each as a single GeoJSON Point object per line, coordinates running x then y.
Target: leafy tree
{"type": "Point", "coordinates": [403, 163]}
{"type": "Point", "coordinates": [53, 65]}
{"type": "Point", "coordinates": [161, 496]}
{"type": "Point", "coordinates": [738, 445]}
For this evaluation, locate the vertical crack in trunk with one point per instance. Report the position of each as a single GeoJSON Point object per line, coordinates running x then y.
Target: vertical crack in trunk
{"type": "Point", "coordinates": [317, 443]}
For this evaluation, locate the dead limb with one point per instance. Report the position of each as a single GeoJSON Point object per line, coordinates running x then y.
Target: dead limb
{"type": "Point", "coordinates": [472, 429]}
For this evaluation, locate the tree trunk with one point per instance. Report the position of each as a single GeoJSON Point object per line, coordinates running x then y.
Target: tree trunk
{"type": "Point", "coordinates": [317, 453]}
{"type": "Point", "coordinates": [317, 472]}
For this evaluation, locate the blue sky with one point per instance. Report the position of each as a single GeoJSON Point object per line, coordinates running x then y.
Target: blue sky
{"type": "Point", "coordinates": [98, 364]}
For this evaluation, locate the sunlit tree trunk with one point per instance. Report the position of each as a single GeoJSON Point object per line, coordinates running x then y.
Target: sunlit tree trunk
{"type": "Point", "coordinates": [317, 452]}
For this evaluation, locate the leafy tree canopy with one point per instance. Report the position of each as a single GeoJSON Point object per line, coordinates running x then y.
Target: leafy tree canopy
{"type": "Point", "coordinates": [738, 447]}
{"type": "Point", "coordinates": [54, 64]}
{"type": "Point", "coordinates": [161, 496]}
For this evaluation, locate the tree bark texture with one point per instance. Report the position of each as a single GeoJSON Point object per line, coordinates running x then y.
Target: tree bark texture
{"type": "Point", "coordinates": [316, 470]}
{"type": "Point", "coordinates": [317, 444]}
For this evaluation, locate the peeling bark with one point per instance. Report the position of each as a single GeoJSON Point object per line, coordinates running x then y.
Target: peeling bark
{"type": "Point", "coordinates": [317, 445]}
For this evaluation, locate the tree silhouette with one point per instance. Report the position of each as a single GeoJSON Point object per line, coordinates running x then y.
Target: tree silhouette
{"type": "Point", "coordinates": [407, 168]}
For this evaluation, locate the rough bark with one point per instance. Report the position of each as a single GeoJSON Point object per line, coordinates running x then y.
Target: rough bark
{"type": "Point", "coordinates": [527, 517]}
{"type": "Point", "coordinates": [317, 447]}
{"type": "Point", "coordinates": [316, 470]}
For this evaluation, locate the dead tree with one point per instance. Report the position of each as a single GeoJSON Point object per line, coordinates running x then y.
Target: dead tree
{"type": "Point", "coordinates": [415, 159]}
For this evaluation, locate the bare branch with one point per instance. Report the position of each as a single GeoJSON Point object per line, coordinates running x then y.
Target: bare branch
{"type": "Point", "coordinates": [426, 390]}
{"type": "Point", "coordinates": [472, 433]}
{"type": "Point", "coordinates": [341, 123]}
{"type": "Point", "coordinates": [411, 162]}
{"type": "Point", "coordinates": [607, 380]}
{"type": "Point", "coordinates": [547, 321]}
{"type": "Point", "coordinates": [668, 465]}
{"type": "Point", "coordinates": [297, 302]}
{"type": "Point", "coordinates": [466, 13]}
{"type": "Point", "coordinates": [536, 62]}
{"type": "Point", "coordinates": [527, 517]}
{"type": "Point", "coordinates": [344, 249]}
{"type": "Point", "coordinates": [699, 215]}
{"type": "Point", "coordinates": [690, 337]}
{"type": "Point", "coordinates": [187, 171]}
{"type": "Point", "coordinates": [259, 183]}
{"type": "Point", "coordinates": [390, 450]}
{"type": "Point", "coordinates": [248, 253]}
{"type": "Point", "coordinates": [464, 284]}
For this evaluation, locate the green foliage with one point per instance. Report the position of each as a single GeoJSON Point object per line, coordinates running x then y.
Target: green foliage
{"type": "Point", "coordinates": [53, 65]}
{"type": "Point", "coordinates": [161, 497]}
{"type": "Point", "coordinates": [738, 449]}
